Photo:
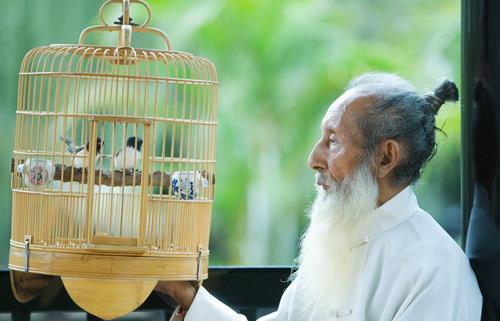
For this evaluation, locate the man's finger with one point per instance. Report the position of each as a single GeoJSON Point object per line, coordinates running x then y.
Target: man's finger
{"type": "Point", "coordinates": [30, 276]}
{"type": "Point", "coordinates": [35, 284]}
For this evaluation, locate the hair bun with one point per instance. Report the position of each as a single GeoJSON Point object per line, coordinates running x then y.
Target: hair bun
{"type": "Point", "coordinates": [446, 91]}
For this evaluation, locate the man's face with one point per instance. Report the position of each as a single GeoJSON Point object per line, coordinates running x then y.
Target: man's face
{"type": "Point", "coordinates": [338, 150]}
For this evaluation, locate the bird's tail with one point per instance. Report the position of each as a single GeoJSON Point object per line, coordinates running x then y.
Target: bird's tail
{"type": "Point", "coordinates": [69, 144]}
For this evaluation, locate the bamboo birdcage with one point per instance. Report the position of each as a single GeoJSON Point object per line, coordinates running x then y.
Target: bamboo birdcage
{"type": "Point", "coordinates": [104, 224]}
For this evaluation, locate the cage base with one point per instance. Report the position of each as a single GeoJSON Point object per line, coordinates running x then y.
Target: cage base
{"type": "Point", "coordinates": [109, 266]}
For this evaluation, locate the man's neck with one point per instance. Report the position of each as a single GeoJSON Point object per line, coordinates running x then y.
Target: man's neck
{"type": "Point", "coordinates": [388, 191]}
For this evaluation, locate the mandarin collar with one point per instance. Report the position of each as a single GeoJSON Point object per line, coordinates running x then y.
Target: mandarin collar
{"type": "Point", "coordinates": [393, 212]}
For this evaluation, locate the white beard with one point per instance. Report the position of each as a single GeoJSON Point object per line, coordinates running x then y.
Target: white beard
{"type": "Point", "coordinates": [324, 278]}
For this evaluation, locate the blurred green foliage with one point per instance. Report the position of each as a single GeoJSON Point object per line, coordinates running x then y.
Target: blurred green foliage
{"type": "Point", "coordinates": [280, 64]}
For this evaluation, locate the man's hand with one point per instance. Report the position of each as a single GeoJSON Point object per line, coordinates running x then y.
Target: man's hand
{"type": "Point", "coordinates": [27, 286]}
{"type": "Point", "coordinates": [183, 292]}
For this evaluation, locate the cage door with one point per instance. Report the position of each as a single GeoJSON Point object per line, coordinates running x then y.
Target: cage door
{"type": "Point", "coordinates": [118, 182]}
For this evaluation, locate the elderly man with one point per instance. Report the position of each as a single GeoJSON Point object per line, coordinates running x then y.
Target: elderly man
{"type": "Point", "coordinates": [370, 252]}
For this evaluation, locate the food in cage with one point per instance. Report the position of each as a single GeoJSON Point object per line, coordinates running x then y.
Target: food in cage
{"type": "Point", "coordinates": [186, 185]}
{"type": "Point", "coordinates": [36, 173]}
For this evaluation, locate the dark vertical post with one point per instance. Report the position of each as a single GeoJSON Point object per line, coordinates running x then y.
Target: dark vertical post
{"type": "Point", "coordinates": [466, 194]}
{"type": "Point", "coordinates": [481, 145]}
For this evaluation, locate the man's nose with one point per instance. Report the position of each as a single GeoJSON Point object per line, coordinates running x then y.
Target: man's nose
{"type": "Point", "coordinates": [316, 159]}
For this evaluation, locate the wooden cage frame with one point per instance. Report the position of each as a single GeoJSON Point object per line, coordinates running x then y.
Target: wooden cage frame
{"type": "Point", "coordinates": [96, 221]}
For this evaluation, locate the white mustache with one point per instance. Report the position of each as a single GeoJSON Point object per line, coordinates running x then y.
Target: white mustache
{"type": "Point", "coordinates": [323, 179]}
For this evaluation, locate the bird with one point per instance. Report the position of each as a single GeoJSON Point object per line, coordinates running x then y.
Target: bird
{"type": "Point", "coordinates": [128, 157]}
{"type": "Point", "coordinates": [80, 153]}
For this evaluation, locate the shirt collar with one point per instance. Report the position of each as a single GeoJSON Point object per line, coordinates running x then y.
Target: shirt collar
{"type": "Point", "coordinates": [393, 212]}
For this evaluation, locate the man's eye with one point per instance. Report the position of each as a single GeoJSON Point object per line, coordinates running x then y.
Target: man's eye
{"type": "Point", "coordinates": [332, 139]}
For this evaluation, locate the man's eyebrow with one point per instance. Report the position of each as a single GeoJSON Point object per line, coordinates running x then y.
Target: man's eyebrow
{"type": "Point", "coordinates": [327, 126]}
{"type": "Point", "coordinates": [330, 129]}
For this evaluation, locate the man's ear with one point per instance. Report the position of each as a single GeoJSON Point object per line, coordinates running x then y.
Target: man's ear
{"type": "Point", "coordinates": [388, 156]}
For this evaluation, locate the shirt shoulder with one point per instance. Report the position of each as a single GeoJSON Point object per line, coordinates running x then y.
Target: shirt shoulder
{"type": "Point", "coordinates": [411, 265]}
{"type": "Point", "coordinates": [421, 242]}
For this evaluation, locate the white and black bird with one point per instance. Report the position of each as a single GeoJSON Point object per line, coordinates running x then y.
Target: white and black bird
{"type": "Point", "coordinates": [81, 153]}
{"type": "Point", "coordinates": [130, 155]}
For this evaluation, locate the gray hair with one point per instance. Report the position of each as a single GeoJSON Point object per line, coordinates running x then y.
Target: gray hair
{"type": "Point", "coordinates": [399, 112]}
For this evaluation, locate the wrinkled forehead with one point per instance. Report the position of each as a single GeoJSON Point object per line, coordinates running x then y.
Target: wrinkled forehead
{"type": "Point", "coordinates": [346, 110]}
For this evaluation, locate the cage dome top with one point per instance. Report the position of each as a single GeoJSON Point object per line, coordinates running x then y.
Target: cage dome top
{"type": "Point", "coordinates": [185, 65]}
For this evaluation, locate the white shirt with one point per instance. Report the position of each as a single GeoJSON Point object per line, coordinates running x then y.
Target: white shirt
{"type": "Point", "coordinates": [407, 268]}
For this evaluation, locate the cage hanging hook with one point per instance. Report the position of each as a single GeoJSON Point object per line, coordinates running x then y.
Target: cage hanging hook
{"type": "Point", "coordinates": [126, 12]}
{"type": "Point", "coordinates": [125, 18]}
{"type": "Point", "coordinates": [125, 29]}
